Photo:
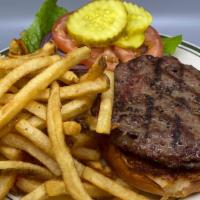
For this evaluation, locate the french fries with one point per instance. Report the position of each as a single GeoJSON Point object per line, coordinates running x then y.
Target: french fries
{"type": "Point", "coordinates": [37, 122]}
{"type": "Point", "coordinates": [95, 71]}
{"type": "Point", "coordinates": [11, 153]}
{"type": "Point", "coordinates": [39, 83]}
{"type": "Point", "coordinates": [62, 152]}
{"type": "Point", "coordinates": [6, 183]}
{"type": "Point", "coordinates": [38, 194]}
{"type": "Point", "coordinates": [22, 143]}
{"type": "Point", "coordinates": [83, 153]}
{"type": "Point", "coordinates": [21, 71]}
{"type": "Point", "coordinates": [44, 127]}
{"type": "Point", "coordinates": [99, 85]}
{"type": "Point", "coordinates": [35, 135]}
{"type": "Point", "coordinates": [27, 185]}
{"type": "Point", "coordinates": [57, 187]}
{"type": "Point", "coordinates": [106, 106]}
{"type": "Point", "coordinates": [107, 184]}
{"type": "Point", "coordinates": [69, 78]}
{"type": "Point", "coordinates": [26, 168]}
{"type": "Point", "coordinates": [71, 128]}
{"type": "Point", "coordinates": [76, 107]}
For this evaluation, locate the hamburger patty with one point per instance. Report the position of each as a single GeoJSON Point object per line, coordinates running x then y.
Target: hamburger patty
{"type": "Point", "coordinates": [157, 111]}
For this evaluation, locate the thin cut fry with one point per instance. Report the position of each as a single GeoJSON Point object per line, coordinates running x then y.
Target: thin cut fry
{"type": "Point", "coordinates": [22, 143]}
{"type": "Point", "coordinates": [26, 168]}
{"type": "Point", "coordinates": [11, 125]}
{"type": "Point", "coordinates": [23, 70]}
{"type": "Point", "coordinates": [83, 153]}
{"type": "Point", "coordinates": [106, 183]}
{"type": "Point", "coordinates": [37, 122]}
{"type": "Point", "coordinates": [39, 83]}
{"type": "Point", "coordinates": [71, 128]}
{"type": "Point", "coordinates": [6, 183]}
{"type": "Point", "coordinates": [69, 78]}
{"type": "Point", "coordinates": [106, 107]}
{"type": "Point", "coordinates": [27, 185]}
{"type": "Point", "coordinates": [11, 153]}
{"type": "Point", "coordinates": [37, 137]}
{"type": "Point", "coordinates": [91, 121]}
{"type": "Point", "coordinates": [84, 140]}
{"type": "Point", "coordinates": [62, 152]}
{"type": "Point", "coordinates": [37, 109]}
{"type": "Point", "coordinates": [95, 71]}
{"type": "Point", "coordinates": [38, 194]}
{"type": "Point", "coordinates": [76, 107]}
{"type": "Point", "coordinates": [57, 187]}
{"type": "Point", "coordinates": [99, 85]}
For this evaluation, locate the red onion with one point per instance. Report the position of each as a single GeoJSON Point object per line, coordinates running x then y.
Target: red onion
{"type": "Point", "coordinates": [46, 39]}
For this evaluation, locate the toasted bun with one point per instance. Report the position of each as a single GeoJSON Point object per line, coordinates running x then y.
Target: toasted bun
{"type": "Point", "coordinates": [146, 177]}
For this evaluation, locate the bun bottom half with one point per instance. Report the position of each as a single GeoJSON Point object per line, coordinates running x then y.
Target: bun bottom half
{"type": "Point", "coordinates": [150, 177]}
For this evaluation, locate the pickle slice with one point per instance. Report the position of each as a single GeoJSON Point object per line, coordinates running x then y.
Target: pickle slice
{"type": "Point", "coordinates": [138, 18]}
{"type": "Point", "coordinates": [133, 41]}
{"type": "Point", "coordinates": [98, 23]}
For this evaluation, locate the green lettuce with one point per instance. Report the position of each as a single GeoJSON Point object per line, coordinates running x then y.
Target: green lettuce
{"type": "Point", "coordinates": [171, 43]}
{"type": "Point", "coordinates": [48, 13]}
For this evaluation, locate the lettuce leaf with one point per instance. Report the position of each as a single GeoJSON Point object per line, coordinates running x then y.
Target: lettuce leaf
{"type": "Point", "coordinates": [171, 43]}
{"type": "Point", "coordinates": [48, 13]}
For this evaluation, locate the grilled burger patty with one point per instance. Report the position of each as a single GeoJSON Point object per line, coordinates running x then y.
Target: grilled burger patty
{"type": "Point", "coordinates": [157, 109]}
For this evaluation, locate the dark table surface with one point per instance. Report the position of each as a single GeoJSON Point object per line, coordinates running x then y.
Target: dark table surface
{"type": "Point", "coordinates": [170, 17]}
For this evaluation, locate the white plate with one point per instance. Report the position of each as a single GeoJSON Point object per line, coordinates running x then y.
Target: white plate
{"type": "Point", "coordinates": [188, 54]}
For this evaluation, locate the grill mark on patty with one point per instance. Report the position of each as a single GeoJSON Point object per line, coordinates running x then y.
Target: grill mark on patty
{"type": "Point", "coordinates": [176, 133]}
{"type": "Point", "coordinates": [163, 123]}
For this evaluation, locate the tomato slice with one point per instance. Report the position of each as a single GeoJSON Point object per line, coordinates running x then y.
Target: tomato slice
{"type": "Point", "coordinates": [62, 39]}
{"type": "Point", "coordinates": [114, 54]}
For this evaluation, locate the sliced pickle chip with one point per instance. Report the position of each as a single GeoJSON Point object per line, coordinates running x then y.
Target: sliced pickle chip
{"type": "Point", "coordinates": [138, 18]}
{"type": "Point", "coordinates": [133, 41]}
{"type": "Point", "coordinates": [98, 23]}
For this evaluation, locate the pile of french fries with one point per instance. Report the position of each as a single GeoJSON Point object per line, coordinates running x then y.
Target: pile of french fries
{"type": "Point", "coordinates": [45, 152]}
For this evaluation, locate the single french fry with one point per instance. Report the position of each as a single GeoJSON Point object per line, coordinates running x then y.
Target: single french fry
{"type": "Point", "coordinates": [36, 136]}
{"type": "Point", "coordinates": [37, 109]}
{"type": "Point", "coordinates": [76, 107]}
{"type": "Point", "coordinates": [26, 68]}
{"type": "Point", "coordinates": [61, 151]}
{"type": "Point", "coordinates": [10, 127]}
{"type": "Point", "coordinates": [22, 143]}
{"type": "Point", "coordinates": [11, 153]}
{"type": "Point", "coordinates": [69, 78]}
{"type": "Point", "coordinates": [106, 107]}
{"type": "Point", "coordinates": [39, 83]}
{"type": "Point", "coordinates": [6, 183]}
{"type": "Point", "coordinates": [57, 187]}
{"type": "Point", "coordinates": [25, 168]}
{"type": "Point", "coordinates": [71, 128]}
{"type": "Point", "coordinates": [27, 185]}
{"type": "Point", "coordinates": [38, 194]}
{"type": "Point", "coordinates": [91, 121]}
{"type": "Point", "coordinates": [95, 71]}
{"type": "Point", "coordinates": [106, 183]}
{"type": "Point", "coordinates": [6, 98]}
{"type": "Point", "coordinates": [37, 122]}
{"type": "Point", "coordinates": [83, 153]}
{"type": "Point", "coordinates": [84, 140]}
{"type": "Point", "coordinates": [96, 86]}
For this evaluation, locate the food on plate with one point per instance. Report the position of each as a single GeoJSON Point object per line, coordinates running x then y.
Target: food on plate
{"type": "Point", "coordinates": [62, 152]}
{"type": "Point", "coordinates": [155, 145]}
{"type": "Point", "coordinates": [77, 121]}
